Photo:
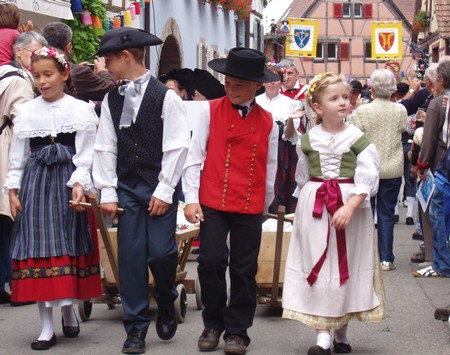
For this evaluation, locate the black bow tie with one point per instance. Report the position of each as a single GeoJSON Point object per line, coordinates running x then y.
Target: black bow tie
{"type": "Point", "coordinates": [242, 108]}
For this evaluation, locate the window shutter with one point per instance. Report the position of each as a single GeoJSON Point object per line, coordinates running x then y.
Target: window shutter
{"type": "Point", "coordinates": [368, 11]}
{"type": "Point", "coordinates": [344, 51]}
{"type": "Point", "coordinates": [337, 10]}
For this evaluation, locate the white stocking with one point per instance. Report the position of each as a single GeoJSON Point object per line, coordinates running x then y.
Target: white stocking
{"type": "Point", "coordinates": [68, 314]}
{"type": "Point", "coordinates": [46, 316]}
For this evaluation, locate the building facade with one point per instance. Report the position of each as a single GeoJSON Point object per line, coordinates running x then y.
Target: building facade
{"type": "Point", "coordinates": [344, 43]}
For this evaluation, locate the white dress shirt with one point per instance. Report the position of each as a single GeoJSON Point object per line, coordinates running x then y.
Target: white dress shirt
{"type": "Point", "coordinates": [174, 145]}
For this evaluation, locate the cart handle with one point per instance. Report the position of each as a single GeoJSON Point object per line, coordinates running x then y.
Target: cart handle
{"type": "Point", "coordinates": [88, 205]}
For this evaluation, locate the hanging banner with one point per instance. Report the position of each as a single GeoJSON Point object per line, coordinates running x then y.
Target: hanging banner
{"type": "Point", "coordinates": [302, 38]}
{"type": "Point", "coordinates": [386, 40]}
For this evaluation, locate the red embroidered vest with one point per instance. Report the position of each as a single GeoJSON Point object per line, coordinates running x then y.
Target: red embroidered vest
{"type": "Point", "coordinates": [234, 174]}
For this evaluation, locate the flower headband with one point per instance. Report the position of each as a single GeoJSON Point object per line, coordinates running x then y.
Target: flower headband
{"type": "Point", "coordinates": [316, 79]}
{"type": "Point", "coordinates": [50, 52]}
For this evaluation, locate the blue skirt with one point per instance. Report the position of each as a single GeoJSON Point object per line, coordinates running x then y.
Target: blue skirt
{"type": "Point", "coordinates": [47, 226]}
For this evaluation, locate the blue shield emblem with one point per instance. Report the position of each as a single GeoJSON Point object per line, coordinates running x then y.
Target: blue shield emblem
{"type": "Point", "coordinates": [302, 37]}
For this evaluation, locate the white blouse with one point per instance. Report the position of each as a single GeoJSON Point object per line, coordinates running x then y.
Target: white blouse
{"type": "Point", "coordinates": [39, 118]}
{"type": "Point", "coordinates": [281, 107]}
{"type": "Point", "coordinates": [330, 148]}
{"type": "Point", "coordinates": [174, 146]}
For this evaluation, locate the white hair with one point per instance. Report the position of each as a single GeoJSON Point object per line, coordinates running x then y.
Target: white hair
{"type": "Point", "coordinates": [382, 82]}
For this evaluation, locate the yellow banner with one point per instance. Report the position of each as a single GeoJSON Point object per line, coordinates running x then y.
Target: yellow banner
{"type": "Point", "coordinates": [386, 40]}
{"type": "Point", "coordinates": [302, 40]}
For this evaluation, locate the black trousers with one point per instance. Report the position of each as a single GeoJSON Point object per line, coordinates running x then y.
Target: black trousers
{"type": "Point", "coordinates": [242, 258]}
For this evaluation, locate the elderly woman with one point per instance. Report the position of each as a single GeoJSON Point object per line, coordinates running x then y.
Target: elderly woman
{"type": "Point", "coordinates": [435, 142]}
{"type": "Point", "coordinates": [26, 43]}
{"type": "Point", "coordinates": [383, 121]}
{"type": "Point", "coordinates": [286, 112]}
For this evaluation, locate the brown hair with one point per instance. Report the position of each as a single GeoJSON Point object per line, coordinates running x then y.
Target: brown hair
{"type": "Point", "coordinates": [9, 16]}
{"type": "Point", "coordinates": [317, 85]}
{"type": "Point", "coordinates": [69, 88]}
{"type": "Point", "coordinates": [277, 71]}
{"type": "Point", "coordinates": [137, 53]}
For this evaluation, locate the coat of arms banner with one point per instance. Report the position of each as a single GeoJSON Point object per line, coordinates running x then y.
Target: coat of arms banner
{"type": "Point", "coordinates": [302, 39]}
{"type": "Point", "coordinates": [386, 40]}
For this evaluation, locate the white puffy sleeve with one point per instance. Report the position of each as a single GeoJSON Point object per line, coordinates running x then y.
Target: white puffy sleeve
{"type": "Point", "coordinates": [302, 170]}
{"type": "Point", "coordinates": [367, 174]}
{"type": "Point", "coordinates": [18, 156]}
{"type": "Point", "coordinates": [84, 147]}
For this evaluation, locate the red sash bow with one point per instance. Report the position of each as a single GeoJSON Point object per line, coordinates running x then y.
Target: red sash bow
{"type": "Point", "coordinates": [329, 194]}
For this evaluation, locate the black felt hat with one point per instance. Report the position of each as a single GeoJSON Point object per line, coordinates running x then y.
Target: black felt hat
{"type": "Point", "coordinates": [246, 64]}
{"type": "Point", "coordinates": [184, 76]}
{"type": "Point", "coordinates": [118, 39]}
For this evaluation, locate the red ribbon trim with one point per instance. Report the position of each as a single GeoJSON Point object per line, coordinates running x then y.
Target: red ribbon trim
{"type": "Point", "coordinates": [329, 195]}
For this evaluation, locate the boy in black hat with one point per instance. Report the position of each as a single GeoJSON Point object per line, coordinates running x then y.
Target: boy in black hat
{"type": "Point", "coordinates": [237, 141]}
{"type": "Point", "coordinates": [140, 149]}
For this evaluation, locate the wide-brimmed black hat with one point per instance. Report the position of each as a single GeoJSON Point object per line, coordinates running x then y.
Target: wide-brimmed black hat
{"type": "Point", "coordinates": [246, 64]}
{"type": "Point", "coordinates": [118, 39]}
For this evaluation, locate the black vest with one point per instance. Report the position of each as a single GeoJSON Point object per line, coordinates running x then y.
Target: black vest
{"type": "Point", "coordinates": [139, 147]}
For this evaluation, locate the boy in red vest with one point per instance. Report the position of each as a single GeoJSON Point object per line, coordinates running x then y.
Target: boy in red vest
{"type": "Point", "coordinates": [237, 141]}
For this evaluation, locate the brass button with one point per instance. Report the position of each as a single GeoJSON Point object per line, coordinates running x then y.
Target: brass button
{"type": "Point", "coordinates": [252, 128]}
{"type": "Point", "coordinates": [223, 205]}
{"type": "Point", "coordinates": [225, 185]}
{"type": "Point", "coordinates": [227, 165]}
{"type": "Point", "coordinates": [245, 208]}
{"type": "Point", "coordinates": [227, 161]}
{"type": "Point", "coordinates": [228, 150]}
{"type": "Point", "coordinates": [228, 155]}
{"type": "Point", "coordinates": [224, 190]}
{"type": "Point", "coordinates": [232, 126]}
{"type": "Point", "coordinates": [226, 180]}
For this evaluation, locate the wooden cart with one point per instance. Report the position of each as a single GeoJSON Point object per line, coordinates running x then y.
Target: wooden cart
{"type": "Point", "coordinates": [271, 261]}
{"type": "Point", "coordinates": [110, 279]}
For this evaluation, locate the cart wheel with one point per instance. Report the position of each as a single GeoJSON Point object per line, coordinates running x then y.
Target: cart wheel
{"type": "Point", "coordinates": [181, 303]}
{"type": "Point", "coordinates": [198, 294]}
{"type": "Point", "coordinates": [85, 310]}
{"type": "Point", "coordinates": [111, 305]}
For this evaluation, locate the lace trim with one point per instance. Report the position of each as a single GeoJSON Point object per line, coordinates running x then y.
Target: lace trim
{"type": "Point", "coordinates": [43, 132]}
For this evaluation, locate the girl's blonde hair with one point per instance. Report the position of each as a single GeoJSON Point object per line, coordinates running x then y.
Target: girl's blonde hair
{"type": "Point", "coordinates": [317, 85]}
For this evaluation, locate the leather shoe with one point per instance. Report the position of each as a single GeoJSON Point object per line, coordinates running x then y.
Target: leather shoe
{"type": "Point", "coordinates": [341, 348]}
{"type": "Point", "coordinates": [318, 350]}
{"type": "Point", "coordinates": [235, 345]}
{"type": "Point", "coordinates": [135, 343]}
{"type": "Point", "coordinates": [209, 339]}
{"type": "Point", "coordinates": [70, 331]}
{"type": "Point", "coordinates": [417, 236]}
{"type": "Point", "coordinates": [409, 221]}
{"type": "Point", "coordinates": [43, 344]}
{"type": "Point", "coordinates": [20, 304]}
{"type": "Point", "coordinates": [166, 322]}
{"type": "Point", "coordinates": [5, 297]}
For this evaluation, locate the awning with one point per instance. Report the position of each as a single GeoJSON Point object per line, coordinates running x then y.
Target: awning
{"type": "Point", "coordinates": [54, 8]}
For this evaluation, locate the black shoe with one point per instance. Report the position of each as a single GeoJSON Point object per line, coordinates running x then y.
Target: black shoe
{"type": "Point", "coordinates": [317, 350]}
{"type": "Point", "coordinates": [5, 297]}
{"type": "Point", "coordinates": [135, 343]}
{"type": "Point", "coordinates": [397, 218]}
{"type": "Point", "coordinates": [70, 332]}
{"type": "Point", "coordinates": [166, 322]}
{"type": "Point", "coordinates": [43, 344]}
{"type": "Point", "coordinates": [417, 236]}
{"type": "Point", "coordinates": [442, 314]}
{"type": "Point", "coordinates": [409, 221]}
{"type": "Point", "coordinates": [209, 339]}
{"type": "Point", "coordinates": [341, 348]}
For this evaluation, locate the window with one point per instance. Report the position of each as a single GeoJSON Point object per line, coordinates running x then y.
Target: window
{"type": "Point", "coordinates": [368, 50]}
{"type": "Point", "coordinates": [328, 51]}
{"type": "Point", "coordinates": [347, 10]}
{"type": "Point", "coordinates": [352, 10]}
{"type": "Point", "coordinates": [357, 10]}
